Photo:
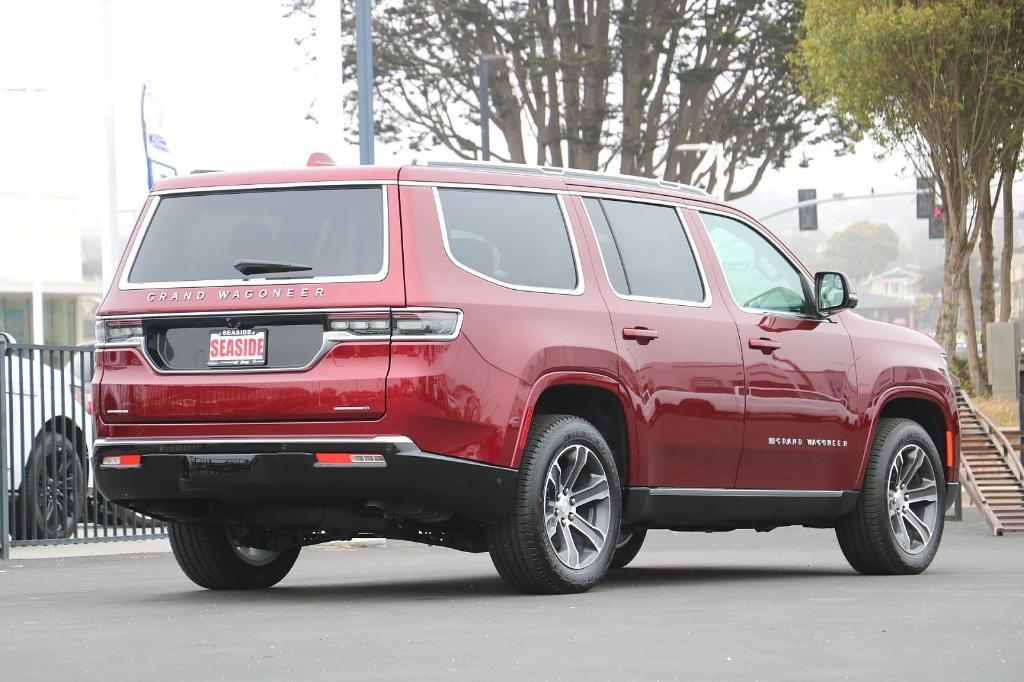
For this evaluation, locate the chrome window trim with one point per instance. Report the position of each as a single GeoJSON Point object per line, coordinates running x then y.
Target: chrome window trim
{"type": "Point", "coordinates": [705, 303]}
{"type": "Point", "coordinates": [273, 185]}
{"type": "Point", "coordinates": [330, 339]}
{"type": "Point", "coordinates": [129, 263]}
{"type": "Point", "coordinates": [779, 248]}
{"type": "Point", "coordinates": [567, 224]}
{"type": "Point", "coordinates": [477, 185]}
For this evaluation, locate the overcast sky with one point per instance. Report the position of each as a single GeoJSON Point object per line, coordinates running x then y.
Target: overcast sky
{"type": "Point", "coordinates": [236, 90]}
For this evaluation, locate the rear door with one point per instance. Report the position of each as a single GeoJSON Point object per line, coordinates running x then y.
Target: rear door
{"type": "Point", "coordinates": [680, 356]}
{"type": "Point", "coordinates": [262, 304]}
{"type": "Point", "coordinates": [801, 405]}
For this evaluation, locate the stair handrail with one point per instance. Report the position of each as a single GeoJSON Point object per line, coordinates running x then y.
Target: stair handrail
{"type": "Point", "coordinates": [970, 483]}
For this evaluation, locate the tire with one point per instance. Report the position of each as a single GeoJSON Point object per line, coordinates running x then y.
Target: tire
{"type": "Point", "coordinates": [568, 560]}
{"type": "Point", "coordinates": [53, 490]}
{"type": "Point", "coordinates": [889, 533]}
{"type": "Point", "coordinates": [210, 559]}
{"type": "Point", "coordinates": [628, 547]}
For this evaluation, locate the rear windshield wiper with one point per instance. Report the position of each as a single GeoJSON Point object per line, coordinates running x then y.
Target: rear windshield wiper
{"type": "Point", "coordinates": [257, 267]}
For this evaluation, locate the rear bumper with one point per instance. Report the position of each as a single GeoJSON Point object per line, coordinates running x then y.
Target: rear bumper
{"type": "Point", "coordinates": [258, 472]}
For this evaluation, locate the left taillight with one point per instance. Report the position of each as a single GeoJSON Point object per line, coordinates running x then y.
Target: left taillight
{"type": "Point", "coordinates": [119, 331]}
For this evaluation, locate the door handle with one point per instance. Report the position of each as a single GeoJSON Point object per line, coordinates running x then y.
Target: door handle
{"type": "Point", "coordinates": [764, 345]}
{"type": "Point", "coordinates": [641, 335]}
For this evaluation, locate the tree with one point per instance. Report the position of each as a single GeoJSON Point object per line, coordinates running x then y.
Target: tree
{"type": "Point", "coordinates": [926, 75]}
{"type": "Point", "coordinates": [596, 84]}
{"type": "Point", "coordinates": [862, 249]}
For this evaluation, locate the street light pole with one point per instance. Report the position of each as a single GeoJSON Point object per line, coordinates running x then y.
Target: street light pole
{"type": "Point", "coordinates": [485, 103]}
{"type": "Point", "coordinates": [364, 81]}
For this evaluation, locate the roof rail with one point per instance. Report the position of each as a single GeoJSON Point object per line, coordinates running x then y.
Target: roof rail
{"type": "Point", "coordinates": [570, 173]}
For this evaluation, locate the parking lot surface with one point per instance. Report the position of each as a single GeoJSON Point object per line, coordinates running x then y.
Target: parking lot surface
{"type": "Point", "coordinates": [740, 605]}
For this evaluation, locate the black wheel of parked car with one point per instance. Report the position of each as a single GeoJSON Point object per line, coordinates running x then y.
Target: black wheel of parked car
{"type": "Point", "coordinates": [53, 490]}
{"type": "Point", "coordinates": [897, 523]}
{"type": "Point", "coordinates": [211, 559]}
{"type": "Point", "coordinates": [628, 547]}
{"type": "Point", "coordinates": [558, 537]}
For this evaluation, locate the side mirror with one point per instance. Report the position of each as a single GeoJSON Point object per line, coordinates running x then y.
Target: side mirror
{"type": "Point", "coordinates": [833, 292]}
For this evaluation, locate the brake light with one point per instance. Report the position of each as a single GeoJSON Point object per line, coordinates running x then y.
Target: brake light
{"type": "Point", "coordinates": [119, 331]}
{"type": "Point", "coordinates": [400, 324]}
{"type": "Point", "coordinates": [349, 459]}
{"type": "Point", "coordinates": [121, 461]}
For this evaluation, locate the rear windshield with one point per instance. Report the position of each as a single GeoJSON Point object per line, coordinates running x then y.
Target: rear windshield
{"type": "Point", "coordinates": [337, 232]}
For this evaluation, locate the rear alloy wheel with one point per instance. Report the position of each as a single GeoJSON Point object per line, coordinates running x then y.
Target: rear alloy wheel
{"type": "Point", "coordinates": [897, 523]}
{"type": "Point", "coordinates": [212, 559]}
{"type": "Point", "coordinates": [557, 538]}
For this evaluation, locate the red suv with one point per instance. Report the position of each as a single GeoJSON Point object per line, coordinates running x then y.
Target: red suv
{"type": "Point", "coordinates": [539, 363]}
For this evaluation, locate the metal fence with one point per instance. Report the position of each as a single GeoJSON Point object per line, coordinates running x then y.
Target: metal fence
{"type": "Point", "coordinates": [47, 494]}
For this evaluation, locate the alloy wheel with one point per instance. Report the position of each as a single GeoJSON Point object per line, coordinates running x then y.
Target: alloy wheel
{"type": "Point", "coordinates": [912, 493]}
{"type": "Point", "coordinates": [577, 506]}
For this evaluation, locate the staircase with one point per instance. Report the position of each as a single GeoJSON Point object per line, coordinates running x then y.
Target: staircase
{"type": "Point", "coordinates": [991, 470]}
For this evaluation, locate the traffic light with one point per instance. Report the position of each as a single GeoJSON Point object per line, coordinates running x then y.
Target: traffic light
{"type": "Point", "coordinates": [937, 223]}
{"type": "Point", "coordinates": [925, 200]}
{"type": "Point", "coordinates": [808, 214]}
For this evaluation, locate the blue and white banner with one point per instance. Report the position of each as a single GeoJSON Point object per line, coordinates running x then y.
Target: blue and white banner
{"type": "Point", "coordinates": [158, 154]}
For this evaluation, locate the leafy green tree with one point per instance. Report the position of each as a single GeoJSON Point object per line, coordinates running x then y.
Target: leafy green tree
{"type": "Point", "coordinates": [928, 75]}
{"type": "Point", "coordinates": [862, 249]}
{"type": "Point", "coordinates": [594, 84]}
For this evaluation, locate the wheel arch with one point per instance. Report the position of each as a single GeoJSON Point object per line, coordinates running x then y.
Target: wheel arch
{"type": "Point", "coordinates": [928, 409]}
{"type": "Point", "coordinates": [597, 398]}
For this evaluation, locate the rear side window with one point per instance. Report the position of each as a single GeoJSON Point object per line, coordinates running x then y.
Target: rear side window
{"type": "Point", "coordinates": [645, 250]}
{"type": "Point", "coordinates": [514, 238]}
{"type": "Point", "coordinates": [338, 232]}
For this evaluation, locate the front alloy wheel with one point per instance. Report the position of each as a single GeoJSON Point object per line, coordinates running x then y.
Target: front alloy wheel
{"type": "Point", "coordinates": [913, 498]}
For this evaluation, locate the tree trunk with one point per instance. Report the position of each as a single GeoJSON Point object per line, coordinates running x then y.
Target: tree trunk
{"type": "Point", "coordinates": [1009, 169]}
{"type": "Point", "coordinates": [977, 372]}
{"type": "Point", "coordinates": [986, 252]}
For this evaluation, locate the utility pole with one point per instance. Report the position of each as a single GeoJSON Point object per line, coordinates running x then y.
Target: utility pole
{"type": "Point", "coordinates": [485, 103]}
{"type": "Point", "coordinates": [364, 81]}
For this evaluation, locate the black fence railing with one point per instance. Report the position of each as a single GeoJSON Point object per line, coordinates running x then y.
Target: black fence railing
{"type": "Point", "coordinates": [47, 494]}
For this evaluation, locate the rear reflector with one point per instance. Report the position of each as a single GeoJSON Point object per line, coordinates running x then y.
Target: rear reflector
{"type": "Point", "coordinates": [349, 459]}
{"type": "Point", "coordinates": [121, 461]}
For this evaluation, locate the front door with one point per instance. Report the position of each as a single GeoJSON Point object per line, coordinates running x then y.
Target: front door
{"type": "Point", "coordinates": [801, 411]}
{"type": "Point", "coordinates": [680, 357]}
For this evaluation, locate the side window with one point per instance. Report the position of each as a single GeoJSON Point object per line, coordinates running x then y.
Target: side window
{"type": "Point", "coordinates": [645, 250]}
{"type": "Point", "coordinates": [515, 238]}
{"type": "Point", "coordinates": [759, 277]}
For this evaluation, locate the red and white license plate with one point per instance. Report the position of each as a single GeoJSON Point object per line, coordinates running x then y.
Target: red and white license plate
{"type": "Point", "coordinates": [238, 347]}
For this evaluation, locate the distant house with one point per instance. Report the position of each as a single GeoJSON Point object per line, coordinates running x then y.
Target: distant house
{"type": "Point", "coordinates": [889, 309]}
{"type": "Point", "coordinates": [899, 282]}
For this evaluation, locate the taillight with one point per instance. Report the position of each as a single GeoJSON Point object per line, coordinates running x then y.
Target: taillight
{"type": "Point", "coordinates": [400, 324]}
{"type": "Point", "coordinates": [119, 331]}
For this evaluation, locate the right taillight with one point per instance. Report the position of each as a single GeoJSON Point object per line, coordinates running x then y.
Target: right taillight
{"type": "Point", "coordinates": [399, 324]}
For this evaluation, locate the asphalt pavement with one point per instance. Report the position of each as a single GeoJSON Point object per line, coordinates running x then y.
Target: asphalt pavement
{"type": "Point", "coordinates": [740, 605]}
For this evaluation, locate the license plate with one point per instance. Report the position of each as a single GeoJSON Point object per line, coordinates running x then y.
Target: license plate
{"type": "Point", "coordinates": [238, 348]}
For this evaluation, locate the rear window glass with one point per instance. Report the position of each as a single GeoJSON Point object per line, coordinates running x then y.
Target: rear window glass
{"type": "Point", "coordinates": [338, 232]}
{"type": "Point", "coordinates": [516, 238]}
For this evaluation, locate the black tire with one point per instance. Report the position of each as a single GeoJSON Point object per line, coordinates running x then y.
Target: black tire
{"type": "Point", "coordinates": [866, 535]}
{"type": "Point", "coordinates": [628, 547]}
{"type": "Point", "coordinates": [209, 558]}
{"type": "Point", "coordinates": [51, 501]}
{"type": "Point", "coordinates": [520, 546]}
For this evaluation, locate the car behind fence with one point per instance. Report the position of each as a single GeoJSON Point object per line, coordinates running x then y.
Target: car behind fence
{"type": "Point", "coordinates": [47, 494]}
